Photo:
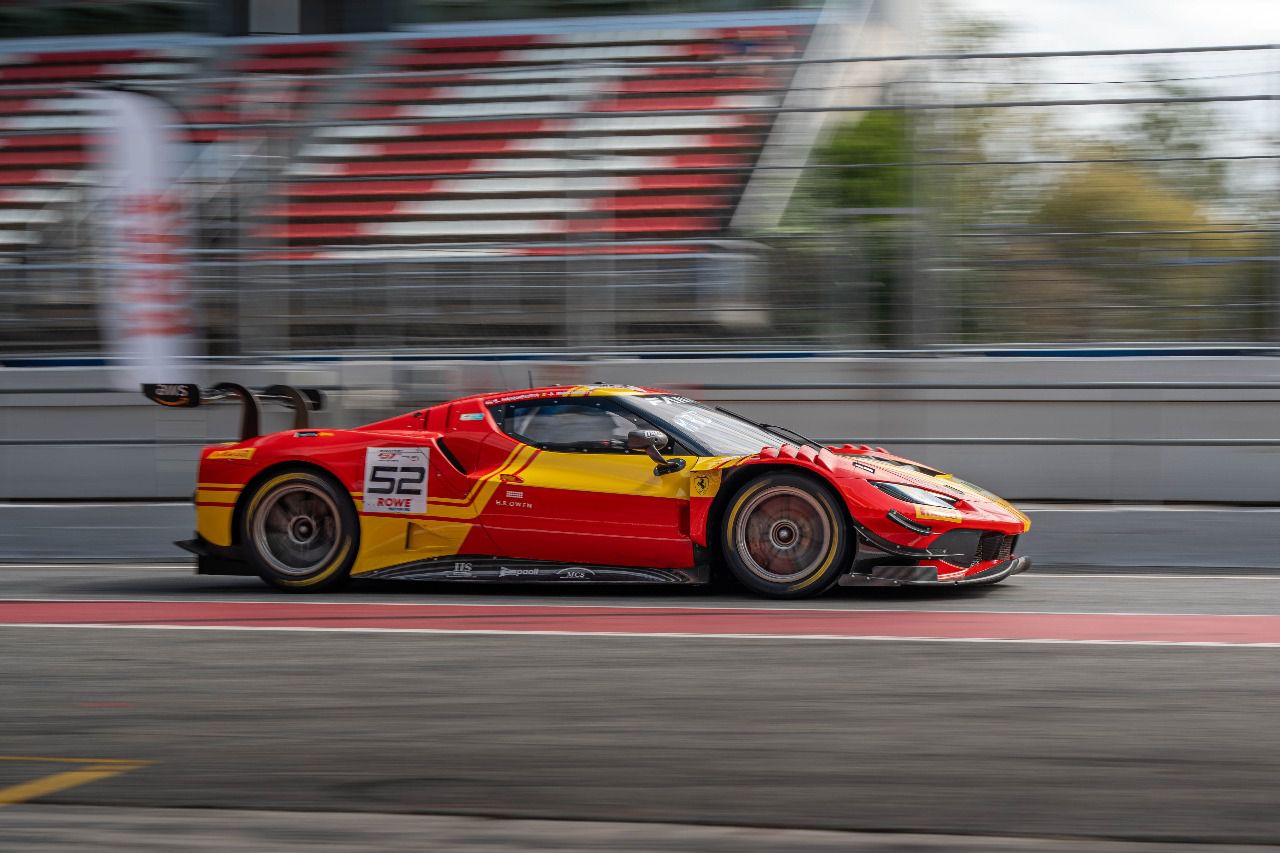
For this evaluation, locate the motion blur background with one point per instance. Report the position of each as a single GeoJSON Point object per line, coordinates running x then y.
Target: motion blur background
{"type": "Point", "coordinates": [1037, 247]}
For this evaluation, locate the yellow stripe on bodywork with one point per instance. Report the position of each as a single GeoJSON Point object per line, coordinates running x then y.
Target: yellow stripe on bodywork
{"type": "Point", "coordinates": [971, 489]}
{"type": "Point", "coordinates": [217, 496]}
{"type": "Point", "coordinates": [481, 492]}
{"type": "Point", "coordinates": [604, 391]}
{"type": "Point", "coordinates": [607, 474]}
{"type": "Point", "coordinates": [388, 541]}
{"type": "Point", "coordinates": [213, 524]}
{"type": "Point", "coordinates": [519, 455]}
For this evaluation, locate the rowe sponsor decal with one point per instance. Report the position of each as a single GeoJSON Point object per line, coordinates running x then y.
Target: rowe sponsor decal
{"type": "Point", "coordinates": [395, 480]}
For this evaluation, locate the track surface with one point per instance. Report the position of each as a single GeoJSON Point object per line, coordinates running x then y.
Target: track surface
{"type": "Point", "coordinates": [766, 714]}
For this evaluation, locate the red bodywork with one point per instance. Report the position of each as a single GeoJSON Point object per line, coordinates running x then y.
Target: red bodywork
{"type": "Point", "coordinates": [491, 495]}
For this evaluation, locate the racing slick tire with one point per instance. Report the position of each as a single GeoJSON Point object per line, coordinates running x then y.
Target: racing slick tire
{"type": "Point", "coordinates": [784, 536]}
{"type": "Point", "coordinates": [300, 531]}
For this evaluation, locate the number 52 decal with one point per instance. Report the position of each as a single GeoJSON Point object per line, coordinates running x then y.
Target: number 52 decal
{"type": "Point", "coordinates": [395, 480]}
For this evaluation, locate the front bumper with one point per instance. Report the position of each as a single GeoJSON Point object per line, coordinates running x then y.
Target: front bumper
{"type": "Point", "coordinates": [928, 575]}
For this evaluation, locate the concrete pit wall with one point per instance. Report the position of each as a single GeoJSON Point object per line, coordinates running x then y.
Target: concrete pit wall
{"type": "Point", "coordinates": [1099, 430]}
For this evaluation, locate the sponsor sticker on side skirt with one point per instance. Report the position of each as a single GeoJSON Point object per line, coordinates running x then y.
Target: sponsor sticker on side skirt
{"type": "Point", "coordinates": [395, 480]}
{"type": "Point", "coordinates": [575, 573]}
{"type": "Point", "coordinates": [505, 572]}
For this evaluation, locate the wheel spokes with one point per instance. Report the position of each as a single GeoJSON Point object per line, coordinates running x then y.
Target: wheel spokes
{"type": "Point", "coordinates": [783, 534]}
{"type": "Point", "coordinates": [296, 529]}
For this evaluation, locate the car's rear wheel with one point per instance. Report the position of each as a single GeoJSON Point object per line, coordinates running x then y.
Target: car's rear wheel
{"type": "Point", "coordinates": [300, 531]}
{"type": "Point", "coordinates": [784, 536]}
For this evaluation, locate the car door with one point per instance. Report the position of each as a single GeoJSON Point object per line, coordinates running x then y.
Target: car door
{"type": "Point", "coordinates": [583, 497]}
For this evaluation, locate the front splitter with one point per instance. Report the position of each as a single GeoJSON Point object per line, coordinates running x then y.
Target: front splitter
{"type": "Point", "coordinates": [928, 575]}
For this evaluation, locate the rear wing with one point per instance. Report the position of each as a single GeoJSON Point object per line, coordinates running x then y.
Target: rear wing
{"type": "Point", "coordinates": [301, 400]}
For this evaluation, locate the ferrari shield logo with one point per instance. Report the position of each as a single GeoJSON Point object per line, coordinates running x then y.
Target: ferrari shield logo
{"type": "Point", "coordinates": [706, 484]}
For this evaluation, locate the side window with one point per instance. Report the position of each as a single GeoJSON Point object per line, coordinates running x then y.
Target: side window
{"type": "Point", "coordinates": [577, 425]}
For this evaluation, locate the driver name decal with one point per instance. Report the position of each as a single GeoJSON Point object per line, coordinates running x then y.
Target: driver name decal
{"type": "Point", "coordinates": [395, 480]}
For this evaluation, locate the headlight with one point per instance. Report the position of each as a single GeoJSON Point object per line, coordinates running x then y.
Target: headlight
{"type": "Point", "coordinates": [914, 495]}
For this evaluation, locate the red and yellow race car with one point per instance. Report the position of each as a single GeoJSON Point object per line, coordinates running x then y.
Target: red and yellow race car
{"type": "Point", "coordinates": [590, 483]}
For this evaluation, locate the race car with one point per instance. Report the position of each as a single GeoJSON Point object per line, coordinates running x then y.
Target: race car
{"type": "Point", "coordinates": [583, 484]}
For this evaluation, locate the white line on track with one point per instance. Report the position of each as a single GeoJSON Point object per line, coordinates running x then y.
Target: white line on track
{"type": "Point", "coordinates": [654, 635]}
{"type": "Point", "coordinates": [288, 602]}
{"type": "Point", "coordinates": [137, 566]}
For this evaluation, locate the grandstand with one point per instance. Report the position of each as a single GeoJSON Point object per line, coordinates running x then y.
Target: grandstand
{"type": "Point", "coordinates": [465, 118]}
{"type": "Point", "coordinates": [620, 136]}
{"type": "Point", "coordinates": [45, 150]}
{"type": "Point", "coordinates": [511, 137]}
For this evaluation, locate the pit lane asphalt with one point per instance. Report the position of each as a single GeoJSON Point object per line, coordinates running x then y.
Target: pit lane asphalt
{"type": "Point", "coordinates": [1128, 742]}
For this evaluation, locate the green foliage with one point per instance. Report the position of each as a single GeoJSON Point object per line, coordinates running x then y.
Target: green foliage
{"type": "Point", "coordinates": [874, 155]}
{"type": "Point", "coordinates": [1104, 198]}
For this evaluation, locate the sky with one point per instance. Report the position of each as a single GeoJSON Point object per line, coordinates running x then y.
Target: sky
{"type": "Point", "coordinates": [1109, 24]}
{"type": "Point", "coordinates": [1064, 25]}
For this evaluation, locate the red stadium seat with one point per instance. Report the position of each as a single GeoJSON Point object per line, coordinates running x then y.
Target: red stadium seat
{"type": "Point", "coordinates": [614, 131]}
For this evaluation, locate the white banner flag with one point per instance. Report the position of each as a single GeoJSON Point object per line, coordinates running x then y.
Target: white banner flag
{"type": "Point", "coordinates": [146, 307]}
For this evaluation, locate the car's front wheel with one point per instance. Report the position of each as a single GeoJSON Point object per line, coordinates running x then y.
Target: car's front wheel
{"type": "Point", "coordinates": [300, 531]}
{"type": "Point", "coordinates": [784, 535]}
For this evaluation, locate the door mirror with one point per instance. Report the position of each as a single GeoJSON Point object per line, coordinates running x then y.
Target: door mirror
{"type": "Point", "coordinates": [647, 440]}
{"type": "Point", "coordinates": [650, 440]}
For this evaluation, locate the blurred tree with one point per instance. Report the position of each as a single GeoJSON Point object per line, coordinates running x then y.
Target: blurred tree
{"type": "Point", "coordinates": [1042, 224]}
{"type": "Point", "coordinates": [1110, 199]}
{"type": "Point", "coordinates": [1112, 253]}
{"type": "Point", "coordinates": [1138, 241]}
{"type": "Point", "coordinates": [859, 187]}
{"type": "Point", "coordinates": [1183, 132]}
{"type": "Point", "coordinates": [873, 157]}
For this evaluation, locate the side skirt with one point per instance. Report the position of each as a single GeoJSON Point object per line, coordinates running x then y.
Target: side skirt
{"type": "Point", "coordinates": [507, 570]}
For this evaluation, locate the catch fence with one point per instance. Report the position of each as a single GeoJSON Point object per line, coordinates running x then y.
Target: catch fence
{"type": "Point", "coordinates": [996, 199]}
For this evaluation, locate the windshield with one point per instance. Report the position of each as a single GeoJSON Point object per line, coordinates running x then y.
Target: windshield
{"type": "Point", "coordinates": [717, 433]}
